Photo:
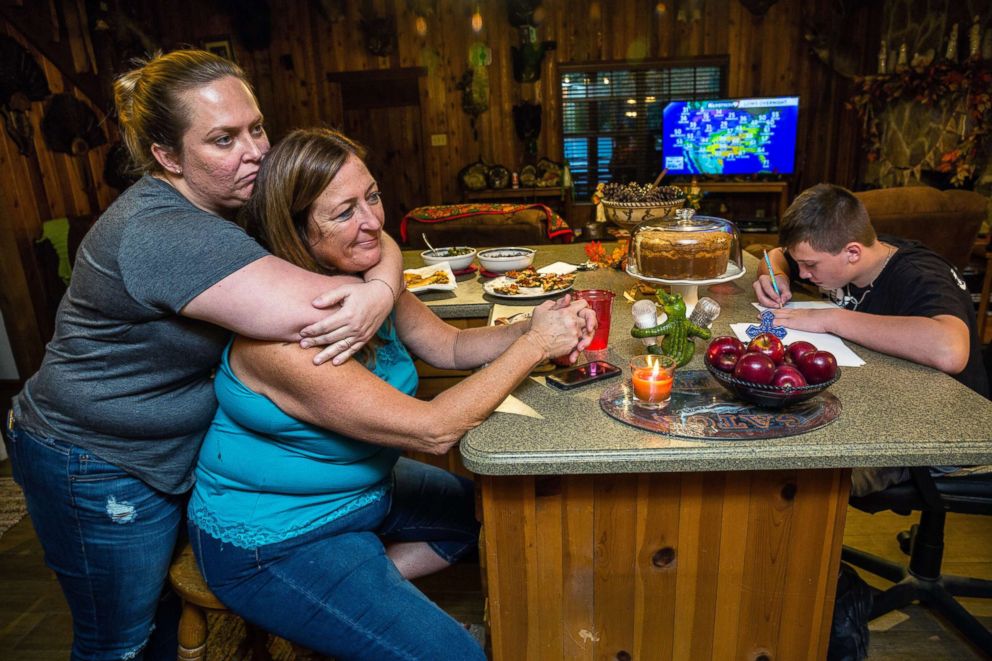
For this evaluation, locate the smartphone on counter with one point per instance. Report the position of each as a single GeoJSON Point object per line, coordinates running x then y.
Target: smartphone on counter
{"type": "Point", "coordinates": [581, 375]}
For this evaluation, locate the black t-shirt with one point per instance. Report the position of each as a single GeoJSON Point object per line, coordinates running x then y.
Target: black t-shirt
{"type": "Point", "coordinates": [917, 282]}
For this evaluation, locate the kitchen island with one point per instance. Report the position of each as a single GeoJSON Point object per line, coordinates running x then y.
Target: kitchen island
{"type": "Point", "coordinates": [602, 540]}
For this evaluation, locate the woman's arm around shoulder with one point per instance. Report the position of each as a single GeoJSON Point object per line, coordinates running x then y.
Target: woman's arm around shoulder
{"type": "Point", "coordinates": [351, 400]}
{"type": "Point", "coordinates": [272, 299]}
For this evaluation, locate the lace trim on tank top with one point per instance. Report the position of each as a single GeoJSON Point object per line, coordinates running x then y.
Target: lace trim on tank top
{"type": "Point", "coordinates": [249, 537]}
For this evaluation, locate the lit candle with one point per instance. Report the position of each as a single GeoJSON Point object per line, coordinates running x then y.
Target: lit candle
{"type": "Point", "coordinates": [650, 386]}
{"type": "Point", "coordinates": [651, 378]}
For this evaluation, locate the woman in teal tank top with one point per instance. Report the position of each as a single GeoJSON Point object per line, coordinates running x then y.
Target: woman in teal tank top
{"type": "Point", "coordinates": [305, 519]}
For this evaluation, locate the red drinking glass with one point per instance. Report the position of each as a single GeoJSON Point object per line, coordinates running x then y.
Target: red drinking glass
{"type": "Point", "coordinates": [601, 302]}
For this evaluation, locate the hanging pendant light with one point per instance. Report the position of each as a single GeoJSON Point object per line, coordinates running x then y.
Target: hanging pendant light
{"type": "Point", "coordinates": [477, 21]}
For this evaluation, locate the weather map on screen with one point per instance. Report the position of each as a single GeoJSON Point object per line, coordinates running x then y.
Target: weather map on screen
{"type": "Point", "coordinates": [735, 136]}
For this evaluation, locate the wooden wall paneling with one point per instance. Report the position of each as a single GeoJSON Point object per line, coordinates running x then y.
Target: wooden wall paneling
{"type": "Point", "coordinates": [74, 36]}
{"type": "Point", "coordinates": [683, 29]}
{"type": "Point", "coordinates": [615, 522]}
{"type": "Point", "coordinates": [324, 105]}
{"type": "Point", "coordinates": [407, 48]}
{"type": "Point", "coordinates": [664, 33]}
{"type": "Point", "coordinates": [551, 124]}
{"type": "Point", "coordinates": [462, 146]}
{"type": "Point", "coordinates": [655, 568]}
{"type": "Point", "coordinates": [16, 269]}
{"type": "Point", "coordinates": [504, 92]}
{"type": "Point", "coordinates": [433, 103]}
{"type": "Point", "coordinates": [735, 47]}
{"type": "Point", "coordinates": [296, 82]}
{"type": "Point", "coordinates": [308, 69]}
{"type": "Point", "coordinates": [578, 587]}
{"type": "Point", "coordinates": [614, 47]}
{"type": "Point", "coordinates": [718, 28]}
{"type": "Point", "coordinates": [496, 40]}
{"type": "Point", "coordinates": [769, 64]}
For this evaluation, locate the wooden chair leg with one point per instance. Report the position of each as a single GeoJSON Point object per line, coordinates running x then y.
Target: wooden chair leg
{"type": "Point", "coordinates": [192, 633]}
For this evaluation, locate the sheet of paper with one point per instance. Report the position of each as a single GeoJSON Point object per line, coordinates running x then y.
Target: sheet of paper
{"type": "Point", "coordinates": [515, 406]}
{"type": "Point", "coordinates": [824, 341]}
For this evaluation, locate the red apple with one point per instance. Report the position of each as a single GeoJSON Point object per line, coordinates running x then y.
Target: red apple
{"type": "Point", "coordinates": [755, 367]}
{"type": "Point", "coordinates": [817, 366]}
{"type": "Point", "coordinates": [769, 345]}
{"type": "Point", "coordinates": [787, 375]}
{"type": "Point", "coordinates": [723, 352]}
{"type": "Point", "coordinates": [797, 349]}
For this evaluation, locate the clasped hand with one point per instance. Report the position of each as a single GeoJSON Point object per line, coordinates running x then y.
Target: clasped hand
{"type": "Point", "coordinates": [360, 309]}
{"type": "Point", "coordinates": [563, 327]}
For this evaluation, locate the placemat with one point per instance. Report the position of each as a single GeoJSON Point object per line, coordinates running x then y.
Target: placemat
{"type": "Point", "coordinates": [701, 408]}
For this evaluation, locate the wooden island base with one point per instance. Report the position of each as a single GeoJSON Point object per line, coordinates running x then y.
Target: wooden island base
{"type": "Point", "coordinates": [719, 565]}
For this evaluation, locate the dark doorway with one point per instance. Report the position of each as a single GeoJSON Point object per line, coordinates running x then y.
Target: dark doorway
{"type": "Point", "coordinates": [382, 111]}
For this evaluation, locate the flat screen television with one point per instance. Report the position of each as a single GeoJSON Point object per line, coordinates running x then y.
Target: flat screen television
{"type": "Point", "coordinates": [730, 136]}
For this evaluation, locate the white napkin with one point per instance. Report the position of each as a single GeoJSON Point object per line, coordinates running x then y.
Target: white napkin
{"type": "Point", "coordinates": [426, 271]}
{"type": "Point", "coordinates": [558, 268]}
{"type": "Point", "coordinates": [515, 406]}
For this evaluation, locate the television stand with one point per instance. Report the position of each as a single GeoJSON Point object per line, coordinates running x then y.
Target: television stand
{"type": "Point", "coordinates": [779, 188]}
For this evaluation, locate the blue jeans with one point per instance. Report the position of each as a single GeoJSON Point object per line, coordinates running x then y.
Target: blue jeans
{"type": "Point", "coordinates": [109, 538]}
{"type": "Point", "coordinates": [334, 590]}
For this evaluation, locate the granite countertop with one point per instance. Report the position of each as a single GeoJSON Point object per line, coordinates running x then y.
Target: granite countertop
{"type": "Point", "coordinates": [894, 412]}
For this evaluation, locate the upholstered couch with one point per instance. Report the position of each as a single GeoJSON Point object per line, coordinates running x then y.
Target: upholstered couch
{"type": "Point", "coordinates": [483, 224]}
{"type": "Point", "coordinates": [946, 221]}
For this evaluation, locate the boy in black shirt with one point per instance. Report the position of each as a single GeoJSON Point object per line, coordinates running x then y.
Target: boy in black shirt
{"type": "Point", "coordinates": [896, 296]}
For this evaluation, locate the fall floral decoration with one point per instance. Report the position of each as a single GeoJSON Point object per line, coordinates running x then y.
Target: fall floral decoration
{"type": "Point", "coordinates": [942, 82]}
{"type": "Point", "coordinates": [617, 259]}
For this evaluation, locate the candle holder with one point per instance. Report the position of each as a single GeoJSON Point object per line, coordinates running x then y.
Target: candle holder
{"type": "Point", "coordinates": [651, 379]}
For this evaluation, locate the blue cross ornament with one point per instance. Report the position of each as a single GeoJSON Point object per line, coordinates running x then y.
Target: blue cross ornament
{"type": "Point", "coordinates": [767, 321]}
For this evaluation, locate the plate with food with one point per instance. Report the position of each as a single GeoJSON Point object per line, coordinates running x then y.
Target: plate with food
{"type": "Point", "coordinates": [529, 283]}
{"type": "Point", "coordinates": [436, 277]}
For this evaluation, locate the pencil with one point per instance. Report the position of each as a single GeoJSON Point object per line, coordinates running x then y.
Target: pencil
{"type": "Point", "coordinates": [771, 274]}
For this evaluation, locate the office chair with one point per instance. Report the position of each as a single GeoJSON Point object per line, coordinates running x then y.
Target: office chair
{"type": "Point", "coordinates": [922, 580]}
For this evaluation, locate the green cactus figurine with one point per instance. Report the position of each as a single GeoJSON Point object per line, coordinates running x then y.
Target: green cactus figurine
{"type": "Point", "coordinates": [678, 330]}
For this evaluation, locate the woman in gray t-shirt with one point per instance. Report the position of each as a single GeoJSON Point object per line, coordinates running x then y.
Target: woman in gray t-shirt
{"type": "Point", "coordinates": [103, 438]}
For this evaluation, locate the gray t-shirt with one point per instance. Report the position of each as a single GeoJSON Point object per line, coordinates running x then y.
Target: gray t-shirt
{"type": "Point", "coordinates": [125, 376]}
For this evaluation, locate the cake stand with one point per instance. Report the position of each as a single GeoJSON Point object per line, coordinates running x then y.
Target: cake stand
{"type": "Point", "coordinates": [688, 288]}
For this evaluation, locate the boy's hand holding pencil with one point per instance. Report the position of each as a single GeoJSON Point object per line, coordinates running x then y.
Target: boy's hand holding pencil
{"type": "Point", "coordinates": [773, 289]}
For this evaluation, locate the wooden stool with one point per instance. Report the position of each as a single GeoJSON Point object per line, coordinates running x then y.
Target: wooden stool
{"type": "Point", "coordinates": [197, 598]}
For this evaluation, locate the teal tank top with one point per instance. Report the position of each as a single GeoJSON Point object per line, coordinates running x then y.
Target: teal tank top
{"type": "Point", "coordinates": [264, 476]}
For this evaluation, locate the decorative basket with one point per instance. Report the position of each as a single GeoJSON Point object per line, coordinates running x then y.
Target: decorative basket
{"type": "Point", "coordinates": [772, 397]}
{"type": "Point", "coordinates": [630, 214]}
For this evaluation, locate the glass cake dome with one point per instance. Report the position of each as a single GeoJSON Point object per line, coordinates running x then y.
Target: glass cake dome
{"type": "Point", "coordinates": [685, 250]}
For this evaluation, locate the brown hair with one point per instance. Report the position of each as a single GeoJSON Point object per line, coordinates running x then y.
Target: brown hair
{"type": "Point", "coordinates": [827, 217]}
{"type": "Point", "coordinates": [293, 175]}
{"type": "Point", "coordinates": [149, 101]}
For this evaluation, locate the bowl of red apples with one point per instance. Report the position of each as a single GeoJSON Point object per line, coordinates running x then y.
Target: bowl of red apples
{"type": "Point", "coordinates": [769, 373]}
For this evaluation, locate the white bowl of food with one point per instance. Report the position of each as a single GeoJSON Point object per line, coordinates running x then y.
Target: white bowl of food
{"type": "Point", "coordinates": [501, 260]}
{"type": "Point", "coordinates": [459, 257]}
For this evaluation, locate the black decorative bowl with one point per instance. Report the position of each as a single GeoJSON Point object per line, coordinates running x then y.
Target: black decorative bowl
{"type": "Point", "coordinates": [772, 397]}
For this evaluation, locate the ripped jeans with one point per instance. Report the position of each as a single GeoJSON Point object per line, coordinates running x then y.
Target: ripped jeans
{"type": "Point", "coordinates": [109, 538]}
